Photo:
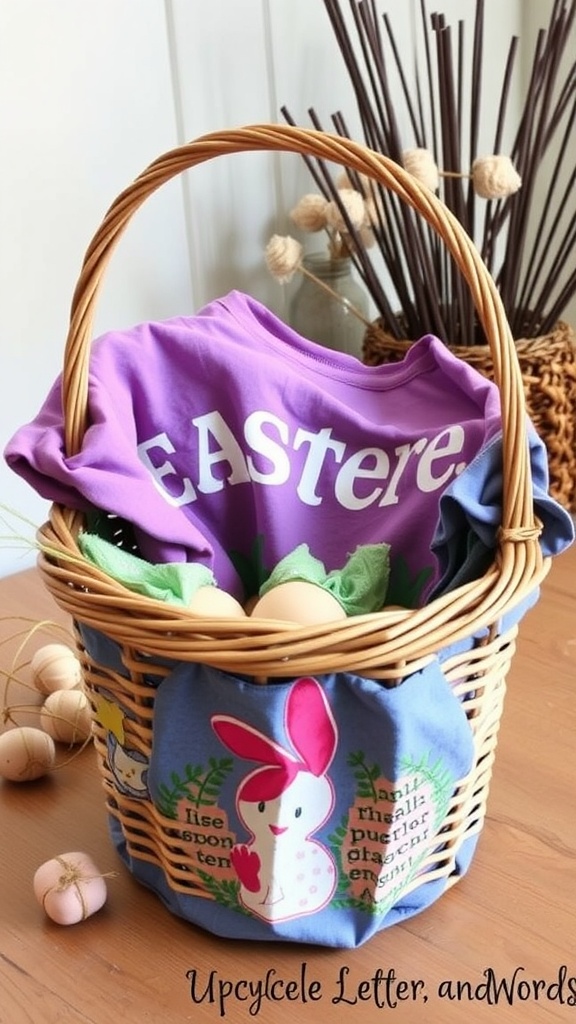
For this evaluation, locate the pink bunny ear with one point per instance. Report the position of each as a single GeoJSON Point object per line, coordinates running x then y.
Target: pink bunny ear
{"type": "Point", "coordinates": [268, 783]}
{"type": "Point", "coordinates": [310, 725]}
{"type": "Point", "coordinates": [247, 742]}
{"type": "Point", "coordinates": [280, 767]}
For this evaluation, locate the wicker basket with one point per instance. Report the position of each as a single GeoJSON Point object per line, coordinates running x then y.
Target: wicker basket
{"type": "Point", "coordinates": [548, 367]}
{"type": "Point", "coordinates": [470, 631]}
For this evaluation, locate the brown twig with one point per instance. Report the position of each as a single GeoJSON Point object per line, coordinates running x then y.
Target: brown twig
{"type": "Point", "coordinates": [521, 237]}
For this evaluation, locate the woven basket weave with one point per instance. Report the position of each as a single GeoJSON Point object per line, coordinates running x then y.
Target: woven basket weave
{"type": "Point", "coordinates": [386, 646]}
{"type": "Point", "coordinates": [548, 367]}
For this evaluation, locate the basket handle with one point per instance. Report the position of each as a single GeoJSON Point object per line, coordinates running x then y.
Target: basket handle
{"type": "Point", "coordinates": [518, 522]}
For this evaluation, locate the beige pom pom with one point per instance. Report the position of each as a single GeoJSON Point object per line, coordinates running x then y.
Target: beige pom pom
{"type": "Point", "coordinates": [495, 177]}
{"type": "Point", "coordinates": [343, 244]}
{"type": "Point", "coordinates": [309, 214]}
{"type": "Point", "coordinates": [367, 237]}
{"type": "Point", "coordinates": [421, 164]}
{"type": "Point", "coordinates": [364, 182]}
{"type": "Point", "coordinates": [374, 212]}
{"type": "Point", "coordinates": [353, 203]}
{"type": "Point", "coordinates": [283, 255]}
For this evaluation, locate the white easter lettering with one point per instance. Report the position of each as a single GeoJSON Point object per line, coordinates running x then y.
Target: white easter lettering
{"type": "Point", "coordinates": [447, 442]}
{"type": "Point", "coordinates": [320, 444]}
{"type": "Point", "coordinates": [364, 477]}
{"type": "Point", "coordinates": [229, 451]}
{"type": "Point", "coordinates": [367, 464]}
{"type": "Point", "coordinates": [165, 469]}
{"type": "Point", "coordinates": [262, 444]}
{"type": "Point", "coordinates": [403, 452]}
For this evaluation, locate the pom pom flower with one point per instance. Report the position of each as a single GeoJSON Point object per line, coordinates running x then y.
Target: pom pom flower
{"type": "Point", "coordinates": [362, 183]}
{"type": "Point", "coordinates": [431, 125]}
{"type": "Point", "coordinates": [495, 177]}
{"type": "Point", "coordinates": [309, 214]}
{"type": "Point", "coordinates": [349, 211]}
{"type": "Point", "coordinates": [351, 208]}
{"type": "Point", "coordinates": [348, 220]}
{"type": "Point", "coordinates": [421, 164]}
{"type": "Point", "coordinates": [283, 256]}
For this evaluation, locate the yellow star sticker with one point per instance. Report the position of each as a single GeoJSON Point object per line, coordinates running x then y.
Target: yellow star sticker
{"type": "Point", "coordinates": [111, 717]}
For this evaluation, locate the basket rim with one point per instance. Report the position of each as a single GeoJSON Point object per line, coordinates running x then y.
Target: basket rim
{"type": "Point", "coordinates": [387, 645]}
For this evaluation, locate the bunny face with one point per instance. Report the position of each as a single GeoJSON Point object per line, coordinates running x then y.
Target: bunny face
{"type": "Point", "coordinates": [293, 815]}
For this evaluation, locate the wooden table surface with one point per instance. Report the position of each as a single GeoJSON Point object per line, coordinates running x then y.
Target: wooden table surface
{"type": "Point", "coordinates": [514, 914]}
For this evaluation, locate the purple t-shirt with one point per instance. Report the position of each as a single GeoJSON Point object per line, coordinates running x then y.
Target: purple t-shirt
{"type": "Point", "coordinates": [226, 436]}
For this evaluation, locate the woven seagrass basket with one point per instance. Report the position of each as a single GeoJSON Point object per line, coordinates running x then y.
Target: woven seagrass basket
{"type": "Point", "coordinates": [548, 367]}
{"type": "Point", "coordinates": [475, 622]}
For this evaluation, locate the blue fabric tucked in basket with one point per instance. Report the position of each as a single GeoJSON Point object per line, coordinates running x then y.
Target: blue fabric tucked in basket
{"type": "Point", "coordinates": [470, 513]}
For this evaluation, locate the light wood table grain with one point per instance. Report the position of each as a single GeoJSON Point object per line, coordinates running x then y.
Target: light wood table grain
{"type": "Point", "coordinates": [514, 914]}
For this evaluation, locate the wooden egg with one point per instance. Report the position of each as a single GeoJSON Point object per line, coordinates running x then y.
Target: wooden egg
{"type": "Point", "coordinates": [26, 754]}
{"type": "Point", "coordinates": [66, 716]}
{"type": "Point", "coordinates": [70, 888]}
{"type": "Point", "coordinates": [301, 602]}
{"type": "Point", "coordinates": [215, 603]}
{"type": "Point", "coordinates": [55, 667]}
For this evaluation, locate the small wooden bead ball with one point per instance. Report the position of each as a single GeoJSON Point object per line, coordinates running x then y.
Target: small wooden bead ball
{"type": "Point", "coordinates": [66, 716]}
{"type": "Point", "coordinates": [26, 754]}
{"type": "Point", "coordinates": [70, 888]}
{"type": "Point", "coordinates": [55, 667]}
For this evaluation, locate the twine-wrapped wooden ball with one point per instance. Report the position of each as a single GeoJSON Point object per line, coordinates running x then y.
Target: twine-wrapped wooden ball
{"type": "Point", "coordinates": [66, 716]}
{"type": "Point", "coordinates": [55, 667]}
{"type": "Point", "coordinates": [26, 754]}
{"type": "Point", "coordinates": [70, 887]}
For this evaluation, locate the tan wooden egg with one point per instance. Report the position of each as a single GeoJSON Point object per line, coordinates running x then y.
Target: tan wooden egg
{"type": "Point", "coordinates": [69, 887]}
{"type": "Point", "coordinates": [26, 754]}
{"type": "Point", "coordinates": [215, 603]}
{"type": "Point", "coordinates": [66, 716]}
{"type": "Point", "coordinates": [55, 667]}
{"type": "Point", "coordinates": [299, 601]}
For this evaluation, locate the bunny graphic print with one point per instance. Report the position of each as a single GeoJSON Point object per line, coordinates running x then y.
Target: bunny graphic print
{"type": "Point", "coordinates": [283, 871]}
{"type": "Point", "coordinates": [303, 810]}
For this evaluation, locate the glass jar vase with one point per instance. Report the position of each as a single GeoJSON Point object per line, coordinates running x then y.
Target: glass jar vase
{"type": "Point", "coordinates": [326, 316]}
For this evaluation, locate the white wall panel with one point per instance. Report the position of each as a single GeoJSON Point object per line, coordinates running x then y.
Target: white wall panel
{"type": "Point", "coordinates": [223, 71]}
{"type": "Point", "coordinates": [86, 102]}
